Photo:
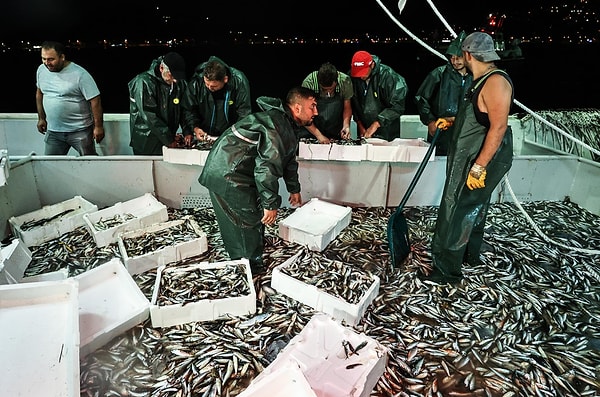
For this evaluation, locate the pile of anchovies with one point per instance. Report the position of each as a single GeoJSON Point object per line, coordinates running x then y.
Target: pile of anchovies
{"type": "Point", "coordinates": [526, 322]}
{"type": "Point", "coordinates": [580, 123]}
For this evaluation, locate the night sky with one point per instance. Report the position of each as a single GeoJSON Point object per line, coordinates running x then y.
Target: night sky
{"type": "Point", "coordinates": [73, 19]}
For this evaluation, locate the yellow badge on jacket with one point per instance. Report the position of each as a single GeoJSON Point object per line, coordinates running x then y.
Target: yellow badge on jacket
{"type": "Point", "coordinates": [176, 101]}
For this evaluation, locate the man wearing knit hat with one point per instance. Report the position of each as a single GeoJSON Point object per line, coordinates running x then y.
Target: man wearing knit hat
{"type": "Point", "coordinates": [155, 113]}
{"type": "Point", "coordinates": [379, 97]}
{"type": "Point", "coordinates": [480, 153]}
{"type": "Point", "coordinates": [440, 93]}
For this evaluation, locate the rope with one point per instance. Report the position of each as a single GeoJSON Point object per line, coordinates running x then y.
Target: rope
{"type": "Point", "coordinates": [401, 5]}
{"type": "Point", "coordinates": [539, 231]}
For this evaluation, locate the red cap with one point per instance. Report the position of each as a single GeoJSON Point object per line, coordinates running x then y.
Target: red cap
{"type": "Point", "coordinates": [361, 64]}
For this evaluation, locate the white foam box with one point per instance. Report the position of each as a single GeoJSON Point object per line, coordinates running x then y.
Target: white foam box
{"type": "Point", "coordinates": [172, 253]}
{"type": "Point", "coordinates": [110, 303]}
{"type": "Point", "coordinates": [61, 274]}
{"type": "Point", "coordinates": [398, 150]}
{"type": "Point", "coordinates": [14, 259]}
{"type": "Point", "coordinates": [39, 353]}
{"type": "Point", "coordinates": [313, 151]}
{"type": "Point", "coordinates": [333, 151]}
{"type": "Point", "coordinates": [287, 381]}
{"type": "Point", "coordinates": [315, 224]}
{"type": "Point", "coordinates": [330, 368]}
{"type": "Point", "coordinates": [185, 156]}
{"type": "Point", "coordinates": [321, 300]}
{"type": "Point", "coordinates": [4, 166]}
{"type": "Point", "coordinates": [202, 309]}
{"type": "Point", "coordinates": [56, 227]}
{"type": "Point", "coordinates": [348, 152]}
{"type": "Point", "coordinates": [146, 210]}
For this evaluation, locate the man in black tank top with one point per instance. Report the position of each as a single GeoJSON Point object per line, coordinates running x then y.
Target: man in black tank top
{"type": "Point", "coordinates": [479, 154]}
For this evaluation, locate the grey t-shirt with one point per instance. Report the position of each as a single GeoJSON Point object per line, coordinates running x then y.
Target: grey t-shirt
{"type": "Point", "coordinates": [66, 97]}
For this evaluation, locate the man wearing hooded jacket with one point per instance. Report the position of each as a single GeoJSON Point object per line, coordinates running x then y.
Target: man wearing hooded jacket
{"type": "Point", "coordinates": [154, 105]}
{"type": "Point", "coordinates": [379, 97]}
{"type": "Point", "coordinates": [440, 93]}
{"type": "Point", "coordinates": [217, 96]}
{"type": "Point", "coordinates": [243, 169]}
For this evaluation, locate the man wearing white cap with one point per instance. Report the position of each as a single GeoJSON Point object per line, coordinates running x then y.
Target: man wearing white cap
{"type": "Point", "coordinates": [379, 97]}
{"type": "Point", "coordinates": [480, 153]}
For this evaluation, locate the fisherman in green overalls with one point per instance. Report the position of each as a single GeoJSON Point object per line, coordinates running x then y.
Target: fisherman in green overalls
{"type": "Point", "coordinates": [480, 153]}
{"type": "Point", "coordinates": [243, 169]}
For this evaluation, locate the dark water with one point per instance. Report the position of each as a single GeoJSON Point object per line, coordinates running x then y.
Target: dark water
{"type": "Point", "coordinates": [549, 77]}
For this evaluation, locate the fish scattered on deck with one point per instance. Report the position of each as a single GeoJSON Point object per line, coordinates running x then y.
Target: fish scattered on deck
{"type": "Point", "coordinates": [524, 322]}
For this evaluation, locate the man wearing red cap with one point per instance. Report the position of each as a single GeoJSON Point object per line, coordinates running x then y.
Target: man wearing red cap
{"type": "Point", "coordinates": [379, 97]}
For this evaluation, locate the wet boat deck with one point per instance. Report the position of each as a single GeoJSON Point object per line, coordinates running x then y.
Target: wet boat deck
{"type": "Point", "coordinates": [525, 322]}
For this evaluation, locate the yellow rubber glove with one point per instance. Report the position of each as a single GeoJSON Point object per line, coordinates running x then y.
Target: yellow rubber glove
{"type": "Point", "coordinates": [443, 124]}
{"type": "Point", "coordinates": [476, 177]}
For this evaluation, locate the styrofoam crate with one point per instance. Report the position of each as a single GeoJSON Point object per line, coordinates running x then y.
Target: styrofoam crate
{"type": "Point", "coordinates": [168, 254]}
{"type": "Point", "coordinates": [287, 381]}
{"type": "Point", "coordinates": [322, 351]}
{"type": "Point", "coordinates": [110, 303]}
{"type": "Point", "coordinates": [321, 300]}
{"type": "Point", "coordinates": [39, 353]}
{"type": "Point", "coordinates": [398, 150]}
{"type": "Point", "coordinates": [313, 151]}
{"type": "Point", "coordinates": [332, 151]}
{"type": "Point", "coordinates": [315, 224]}
{"type": "Point", "coordinates": [14, 261]}
{"type": "Point", "coordinates": [77, 207]}
{"type": "Point", "coordinates": [185, 156]}
{"type": "Point", "coordinates": [61, 274]}
{"type": "Point", "coordinates": [202, 309]}
{"type": "Point", "coordinates": [146, 210]}
{"type": "Point", "coordinates": [4, 166]}
{"type": "Point", "coordinates": [348, 152]}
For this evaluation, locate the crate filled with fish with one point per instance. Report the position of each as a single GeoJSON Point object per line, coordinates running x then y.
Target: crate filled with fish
{"type": "Point", "coordinates": [39, 355]}
{"type": "Point", "coordinates": [14, 260]}
{"type": "Point", "coordinates": [161, 243]}
{"type": "Point", "coordinates": [343, 150]}
{"type": "Point", "coordinates": [339, 289]}
{"type": "Point", "coordinates": [106, 224]}
{"type": "Point", "coordinates": [398, 150]}
{"type": "Point", "coordinates": [202, 292]}
{"type": "Point", "coordinates": [316, 224]}
{"type": "Point", "coordinates": [51, 221]}
{"type": "Point", "coordinates": [110, 303]}
{"type": "Point", "coordinates": [193, 155]}
{"type": "Point", "coordinates": [335, 359]}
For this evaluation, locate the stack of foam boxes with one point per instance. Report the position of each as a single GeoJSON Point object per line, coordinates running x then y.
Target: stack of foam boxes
{"type": "Point", "coordinates": [372, 149]}
{"type": "Point", "coordinates": [327, 358]}
{"type": "Point", "coordinates": [50, 321]}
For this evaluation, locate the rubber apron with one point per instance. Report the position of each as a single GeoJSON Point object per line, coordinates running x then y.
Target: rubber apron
{"type": "Point", "coordinates": [461, 216]}
{"type": "Point", "coordinates": [331, 113]}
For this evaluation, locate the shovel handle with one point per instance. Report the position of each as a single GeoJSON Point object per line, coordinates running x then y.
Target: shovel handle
{"type": "Point", "coordinates": [420, 170]}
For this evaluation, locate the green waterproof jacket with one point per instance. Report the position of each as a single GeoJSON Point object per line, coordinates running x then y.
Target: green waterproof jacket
{"type": "Point", "coordinates": [251, 156]}
{"type": "Point", "coordinates": [200, 109]}
{"type": "Point", "coordinates": [440, 93]}
{"type": "Point", "coordinates": [154, 111]}
{"type": "Point", "coordinates": [382, 99]}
